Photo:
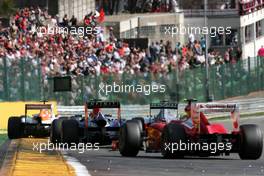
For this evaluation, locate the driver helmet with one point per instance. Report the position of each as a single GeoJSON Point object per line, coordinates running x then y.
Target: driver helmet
{"type": "Point", "coordinates": [95, 112]}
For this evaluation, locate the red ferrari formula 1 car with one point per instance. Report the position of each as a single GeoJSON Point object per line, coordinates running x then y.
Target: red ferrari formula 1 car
{"type": "Point", "coordinates": [192, 135]}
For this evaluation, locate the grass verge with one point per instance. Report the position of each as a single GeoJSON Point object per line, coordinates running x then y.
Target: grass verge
{"type": "Point", "coordinates": [3, 137]}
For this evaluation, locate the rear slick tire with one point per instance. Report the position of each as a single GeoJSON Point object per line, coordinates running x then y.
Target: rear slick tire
{"type": "Point", "coordinates": [14, 129]}
{"type": "Point", "coordinates": [130, 139]}
{"type": "Point", "coordinates": [251, 142]}
{"type": "Point", "coordinates": [172, 134]}
{"type": "Point", "coordinates": [70, 131]}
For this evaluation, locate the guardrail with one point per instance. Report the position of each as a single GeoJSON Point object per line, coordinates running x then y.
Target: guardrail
{"type": "Point", "coordinates": [210, 12]}
{"type": "Point", "coordinates": [251, 105]}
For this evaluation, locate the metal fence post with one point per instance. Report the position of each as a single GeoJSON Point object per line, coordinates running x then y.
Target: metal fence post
{"type": "Point", "coordinates": [205, 76]}
{"type": "Point", "coordinates": [194, 85]}
{"type": "Point", "coordinates": [213, 81]}
{"type": "Point", "coordinates": [82, 88]}
{"type": "Point", "coordinates": [231, 66]}
{"type": "Point", "coordinates": [248, 77]}
{"type": "Point", "coordinates": [185, 84]}
{"type": "Point", "coordinates": [258, 74]}
{"type": "Point", "coordinates": [97, 86]}
{"type": "Point", "coordinates": [240, 82]}
{"type": "Point", "coordinates": [5, 81]}
{"type": "Point", "coordinates": [40, 82]}
{"type": "Point", "coordinates": [22, 78]}
{"type": "Point", "coordinates": [222, 71]}
{"type": "Point", "coordinates": [176, 74]}
{"type": "Point", "coordinates": [261, 73]}
{"type": "Point", "coordinates": [151, 96]}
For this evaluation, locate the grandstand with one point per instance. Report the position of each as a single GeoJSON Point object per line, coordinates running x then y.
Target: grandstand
{"type": "Point", "coordinates": [35, 56]}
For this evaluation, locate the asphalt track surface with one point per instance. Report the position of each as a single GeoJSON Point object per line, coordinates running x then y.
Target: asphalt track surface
{"type": "Point", "coordinates": [109, 163]}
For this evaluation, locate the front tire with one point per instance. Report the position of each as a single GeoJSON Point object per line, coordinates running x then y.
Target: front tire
{"type": "Point", "coordinates": [130, 139]}
{"type": "Point", "coordinates": [172, 134]}
{"type": "Point", "coordinates": [251, 142]}
{"type": "Point", "coordinates": [14, 129]}
{"type": "Point", "coordinates": [70, 131]}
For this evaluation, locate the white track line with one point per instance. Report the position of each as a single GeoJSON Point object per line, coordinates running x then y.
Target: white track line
{"type": "Point", "coordinates": [80, 169]}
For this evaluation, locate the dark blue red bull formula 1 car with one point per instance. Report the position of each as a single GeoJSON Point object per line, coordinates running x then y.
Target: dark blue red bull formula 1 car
{"type": "Point", "coordinates": [94, 127]}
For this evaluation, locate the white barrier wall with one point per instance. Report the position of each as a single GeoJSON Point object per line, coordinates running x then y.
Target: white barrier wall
{"type": "Point", "coordinates": [78, 8]}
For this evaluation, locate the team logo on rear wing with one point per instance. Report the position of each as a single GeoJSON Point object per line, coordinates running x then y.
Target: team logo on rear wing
{"type": "Point", "coordinates": [103, 104]}
{"type": "Point", "coordinates": [216, 107]}
{"type": "Point", "coordinates": [164, 105]}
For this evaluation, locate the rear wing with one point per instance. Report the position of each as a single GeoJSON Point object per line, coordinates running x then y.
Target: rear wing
{"type": "Point", "coordinates": [217, 107]}
{"type": "Point", "coordinates": [198, 108]}
{"type": "Point", "coordinates": [164, 105]}
{"type": "Point", "coordinates": [37, 107]}
{"type": "Point", "coordinates": [100, 104]}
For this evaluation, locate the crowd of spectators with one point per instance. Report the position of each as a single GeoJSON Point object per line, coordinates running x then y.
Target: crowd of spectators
{"type": "Point", "coordinates": [248, 6]}
{"type": "Point", "coordinates": [62, 54]}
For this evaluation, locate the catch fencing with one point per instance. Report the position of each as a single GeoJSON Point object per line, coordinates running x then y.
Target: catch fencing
{"type": "Point", "coordinates": [22, 80]}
